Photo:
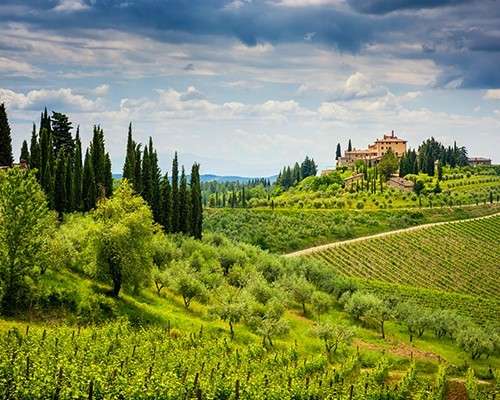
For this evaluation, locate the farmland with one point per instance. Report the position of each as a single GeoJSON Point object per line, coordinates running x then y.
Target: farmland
{"type": "Point", "coordinates": [460, 258]}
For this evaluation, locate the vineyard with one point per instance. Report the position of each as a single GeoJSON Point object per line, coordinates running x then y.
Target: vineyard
{"type": "Point", "coordinates": [118, 362]}
{"type": "Point", "coordinates": [286, 230]}
{"type": "Point", "coordinates": [461, 258]}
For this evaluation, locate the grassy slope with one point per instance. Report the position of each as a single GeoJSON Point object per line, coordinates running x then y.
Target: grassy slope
{"type": "Point", "coordinates": [148, 308]}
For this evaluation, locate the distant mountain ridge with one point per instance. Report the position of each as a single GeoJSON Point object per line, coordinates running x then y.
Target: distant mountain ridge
{"type": "Point", "coordinates": [219, 178]}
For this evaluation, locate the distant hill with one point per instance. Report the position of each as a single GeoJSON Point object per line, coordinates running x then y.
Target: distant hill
{"type": "Point", "coordinates": [218, 178]}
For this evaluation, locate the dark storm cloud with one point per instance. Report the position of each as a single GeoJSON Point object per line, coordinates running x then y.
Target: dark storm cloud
{"type": "Point", "coordinates": [182, 20]}
{"type": "Point", "coordinates": [379, 7]}
{"type": "Point", "coordinates": [459, 36]}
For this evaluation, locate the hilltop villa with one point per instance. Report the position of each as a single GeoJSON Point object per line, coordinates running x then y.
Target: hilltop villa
{"type": "Point", "coordinates": [375, 151]}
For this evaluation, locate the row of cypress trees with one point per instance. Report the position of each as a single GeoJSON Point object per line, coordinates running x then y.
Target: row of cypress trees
{"type": "Point", "coordinates": [175, 205]}
{"type": "Point", "coordinates": [74, 183]}
{"type": "Point", "coordinates": [70, 181]}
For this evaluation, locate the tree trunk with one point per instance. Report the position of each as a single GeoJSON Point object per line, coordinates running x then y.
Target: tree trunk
{"type": "Point", "coordinates": [382, 328]}
{"type": "Point", "coordinates": [117, 285]}
{"type": "Point", "coordinates": [231, 330]}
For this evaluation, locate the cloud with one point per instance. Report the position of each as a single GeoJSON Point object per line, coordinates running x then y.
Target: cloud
{"type": "Point", "coordinates": [68, 6]}
{"type": "Point", "coordinates": [492, 94]}
{"type": "Point", "coordinates": [387, 6]}
{"type": "Point", "coordinates": [244, 85]}
{"type": "Point", "coordinates": [359, 85]}
{"type": "Point", "coordinates": [13, 68]}
{"type": "Point", "coordinates": [60, 99]}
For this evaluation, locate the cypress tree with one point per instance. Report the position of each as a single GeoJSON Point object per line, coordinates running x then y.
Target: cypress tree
{"type": "Point", "coordinates": [78, 173]}
{"type": "Point", "coordinates": [61, 133]}
{"type": "Point", "coordinates": [349, 146]}
{"type": "Point", "coordinates": [155, 179]}
{"type": "Point", "coordinates": [44, 155]}
{"type": "Point", "coordinates": [314, 168]}
{"type": "Point", "coordinates": [48, 173]}
{"type": "Point", "coordinates": [166, 205]}
{"type": "Point", "coordinates": [147, 181]}
{"type": "Point", "coordinates": [196, 204]}
{"type": "Point", "coordinates": [60, 194]}
{"type": "Point", "coordinates": [138, 170]}
{"type": "Point", "coordinates": [89, 189]}
{"type": "Point", "coordinates": [34, 161]}
{"type": "Point", "coordinates": [6, 157]}
{"type": "Point", "coordinates": [49, 186]}
{"type": "Point", "coordinates": [184, 210]}
{"type": "Point", "coordinates": [129, 164]}
{"type": "Point", "coordinates": [338, 154]}
{"type": "Point", "coordinates": [108, 176]}
{"type": "Point", "coordinates": [25, 153]}
{"type": "Point", "coordinates": [70, 185]}
{"type": "Point", "coordinates": [98, 160]}
{"type": "Point", "coordinates": [175, 195]}
{"type": "Point", "coordinates": [45, 121]}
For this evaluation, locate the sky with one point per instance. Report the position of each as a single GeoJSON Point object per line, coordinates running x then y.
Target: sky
{"type": "Point", "coordinates": [245, 87]}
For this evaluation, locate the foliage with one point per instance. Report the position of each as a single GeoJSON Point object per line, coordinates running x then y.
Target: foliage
{"type": "Point", "coordinates": [334, 335]}
{"type": "Point", "coordinates": [25, 225]}
{"type": "Point", "coordinates": [388, 164]}
{"type": "Point", "coordinates": [6, 157]}
{"type": "Point", "coordinates": [122, 239]}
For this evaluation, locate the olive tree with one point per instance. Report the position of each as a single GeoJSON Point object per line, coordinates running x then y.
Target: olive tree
{"type": "Point", "coordinates": [25, 224]}
{"type": "Point", "coordinates": [333, 335]}
{"type": "Point", "coordinates": [230, 304]}
{"type": "Point", "coordinates": [122, 238]}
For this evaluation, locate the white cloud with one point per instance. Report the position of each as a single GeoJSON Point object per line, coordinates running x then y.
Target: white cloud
{"type": "Point", "coordinates": [359, 85]}
{"type": "Point", "coordinates": [38, 99]}
{"type": "Point", "coordinates": [245, 85]}
{"type": "Point", "coordinates": [71, 6]}
{"type": "Point", "coordinates": [15, 68]}
{"type": "Point", "coordinates": [492, 94]}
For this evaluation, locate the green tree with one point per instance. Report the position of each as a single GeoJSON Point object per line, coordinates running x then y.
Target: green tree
{"type": "Point", "coordinates": [334, 335]}
{"type": "Point", "coordinates": [6, 157]}
{"type": "Point", "coordinates": [186, 284]}
{"type": "Point", "coordinates": [184, 204]}
{"type": "Point", "coordinates": [70, 185]}
{"type": "Point", "coordinates": [122, 239]}
{"type": "Point", "coordinates": [129, 166]}
{"type": "Point", "coordinates": [156, 182]}
{"type": "Point", "coordinates": [196, 207]}
{"type": "Point", "coordinates": [300, 290]}
{"type": "Point", "coordinates": [78, 173]}
{"type": "Point", "coordinates": [475, 341]}
{"type": "Point", "coordinates": [89, 188]}
{"type": "Point", "coordinates": [379, 312]}
{"type": "Point", "coordinates": [34, 161]}
{"type": "Point", "coordinates": [230, 305]}
{"type": "Point", "coordinates": [388, 164]}
{"type": "Point", "coordinates": [61, 133]}
{"type": "Point", "coordinates": [166, 205]}
{"type": "Point", "coordinates": [440, 170]}
{"type": "Point", "coordinates": [413, 317]}
{"type": "Point", "coordinates": [349, 145]}
{"type": "Point", "coordinates": [320, 303]}
{"type": "Point", "coordinates": [97, 154]}
{"type": "Point", "coordinates": [25, 153]}
{"type": "Point", "coordinates": [60, 195]}
{"type": "Point", "coordinates": [175, 220]}
{"type": "Point", "coordinates": [24, 226]}
{"type": "Point", "coordinates": [419, 186]}
{"type": "Point", "coordinates": [338, 153]}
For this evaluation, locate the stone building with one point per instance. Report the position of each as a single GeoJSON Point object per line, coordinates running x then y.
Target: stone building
{"type": "Point", "coordinates": [375, 151]}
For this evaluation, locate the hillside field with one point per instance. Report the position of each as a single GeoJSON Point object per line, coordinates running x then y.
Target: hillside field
{"type": "Point", "coordinates": [459, 262]}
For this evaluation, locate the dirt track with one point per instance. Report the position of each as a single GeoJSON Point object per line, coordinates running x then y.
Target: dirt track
{"type": "Point", "coordinates": [413, 228]}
